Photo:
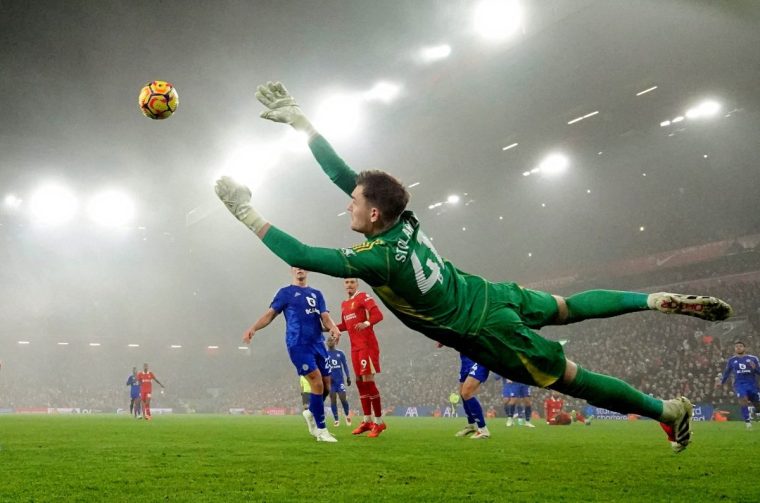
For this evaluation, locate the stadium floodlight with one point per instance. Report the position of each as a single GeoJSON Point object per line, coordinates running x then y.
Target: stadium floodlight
{"type": "Point", "coordinates": [244, 347]}
{"type": "Point", "coordinates": [213, 347]}
{"type": "Point", "coordinates": [383, 91]}
{"type": "Point", "coordinates": [553, 165]}
{"type": "Point", "coordinates": [63, 343]}
{"type": "Point", "coordinates": [453, 199]}
{"type": "Point", "coordinates": [676, 120]}
{"type": "Point", "coordinates": [111, 208]}
{"type": "Point", "coordinates": [435, 53]}
{"type": "Point", "coordinates": [23, 343]}
{"type": "Point", "coordinates": [704, 110]}
{"type": "Point", "coordinates": [175, 346]}
{"type": "Point", "coordinates": [94, 344]}
{"type": "Point", "coordinates": [133, 345]}
{"type": "Point", "coordinates": [53, 205]}
{"type": "Point", "coordinates": [648, 90]}
{"type": "Point", "coordinates": [497, 20]}
{"type": "Point", "coordinates": [12, 201]}
{"type": "Point", "coordinates": [513, 145]}
{"type": "Point", "coordinates": [412, 185]}
{"type": "Point", "coordinates": [249, 164]}
{"type": "Point", "coordinates": [339, 116]}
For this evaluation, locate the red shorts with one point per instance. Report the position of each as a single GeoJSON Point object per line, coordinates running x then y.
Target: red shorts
{"type": "Point", "coordinates": [144, 395]}
{"type": "Point", "coordinates": [366, 362]}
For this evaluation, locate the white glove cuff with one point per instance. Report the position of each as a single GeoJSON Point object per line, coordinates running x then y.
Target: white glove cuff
{"type": "Point", "coordinates": [250, 217]}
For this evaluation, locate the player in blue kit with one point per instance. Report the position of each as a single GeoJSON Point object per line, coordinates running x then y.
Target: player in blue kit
{"type": "Point", "coordinates": [517, 401]}
{"type": "Point", "coordinates": [471, 376]}
{"type": "Point", "coordinates": [745, 368]}
{"type": "Point", "coordinates": [134, 394]}
{"type": "Point", "coordinates": [336, 361]}
{"type": "Point", "coordinates": [305, 315]}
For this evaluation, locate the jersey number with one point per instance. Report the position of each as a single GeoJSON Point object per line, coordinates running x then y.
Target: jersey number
{"type": "Point", "coordinates": [427, 281]}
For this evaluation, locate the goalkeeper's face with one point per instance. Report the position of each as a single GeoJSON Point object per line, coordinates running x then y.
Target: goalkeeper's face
{"type": "Point", "coordinates": [363, 216]}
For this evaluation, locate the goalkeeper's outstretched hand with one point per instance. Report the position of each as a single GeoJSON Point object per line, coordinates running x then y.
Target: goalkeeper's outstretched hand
{"type": "Point", "coordinates": [282, 106]}
{"type": "Point", "coordinates": [237, 198]}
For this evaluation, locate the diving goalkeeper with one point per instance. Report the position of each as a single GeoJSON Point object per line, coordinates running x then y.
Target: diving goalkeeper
{"type": "Point", "coordinates": [492, 323]}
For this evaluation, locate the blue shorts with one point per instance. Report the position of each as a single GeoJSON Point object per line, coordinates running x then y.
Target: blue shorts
{"type": "Point", "coordinates": [135, 396]}
{"type": "Point", "coordinates": [471, 369]}
{"type": "Point", "coordinates": [747, 390]}
{"type": "Point", "coordinates": [308, 358]}
{"type": "Point", "coordinates": [337, 387]}
{"type": "Point", "coordinates": [515, 390]}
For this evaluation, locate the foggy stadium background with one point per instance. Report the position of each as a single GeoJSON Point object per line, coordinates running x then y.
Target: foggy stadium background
{"type": "Point", "coordinates": [183, 272]}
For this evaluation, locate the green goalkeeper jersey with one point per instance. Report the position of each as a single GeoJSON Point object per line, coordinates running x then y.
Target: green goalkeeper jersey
{"type": "Point", "coordinates": [424, 290]}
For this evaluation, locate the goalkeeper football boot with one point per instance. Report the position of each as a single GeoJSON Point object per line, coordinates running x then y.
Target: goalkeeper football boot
{"type": "Point", "coordinates": [699, 306]}
{"type": "Point", "coordinates": [324, 436]}
{"type": "Point", "coordinates": [467, 430]}
{"type": "Point", "coordinates": [482, 433]}
{"type": "Point", "coordinates": [364, 426]}
{"type": "Point", "coordinates": [678, 429]}
{"type": "Point", "coordinates": [309, 417]}
{"type": "Point", "coordinates": [377, 429]}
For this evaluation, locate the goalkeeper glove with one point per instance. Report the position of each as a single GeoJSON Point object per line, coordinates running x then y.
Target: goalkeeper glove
{"type": "Point", "coordinates": [282, 107]}
{"type": "Point", "coordinates": [237, 198]}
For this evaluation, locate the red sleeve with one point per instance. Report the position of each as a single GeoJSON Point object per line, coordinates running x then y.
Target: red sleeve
{"type": "Point", "coordinates": [375, 316]}
{"type": "Point", "coordinates": [341, 326]}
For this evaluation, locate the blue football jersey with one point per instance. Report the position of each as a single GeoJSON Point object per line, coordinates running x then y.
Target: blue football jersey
{"type": "Point", "coordinates": [336, 360]}
{"type": "Point", "coordinates": [744, 367]}
{"type": "Point", "coordinates": [303, 307]}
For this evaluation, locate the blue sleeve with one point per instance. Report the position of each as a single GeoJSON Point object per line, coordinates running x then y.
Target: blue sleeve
{"type": "Point", "coordinates": [279, 302]}
{"type": "Point", "coordinates": [321, 302]}
{"type": "Point", "coordinates": [726, 371]}
{"type": "Point", "coordinates": [757, 365]}
{"type": "Point", "coordinates": [344, 364]}
{"type": "Point", "coordinates": [129, 381]}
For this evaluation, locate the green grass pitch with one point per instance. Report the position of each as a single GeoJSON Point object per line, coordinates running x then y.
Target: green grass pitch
{"type": "Point", "coordinates": [235, 458]}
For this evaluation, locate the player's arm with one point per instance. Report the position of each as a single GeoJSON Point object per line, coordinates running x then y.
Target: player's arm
{"type": "Point", "coordinates": [338, 263]}
{"type": "Point", "coordinates": [159, 382]}
{"type": "Point", "coordinates": [262, 322]}
{"type": "Point", "coordinates": [726, 372]}
{"type": "Point", "coordinates": [282, 107]}
{"type": "Point", "coordinates": [374, 315]}
{"type": "Point", "coordinates": [330, 324]}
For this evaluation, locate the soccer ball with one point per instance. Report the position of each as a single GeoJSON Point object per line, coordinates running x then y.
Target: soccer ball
{"type": "Point", "coordinates": [158, 100]}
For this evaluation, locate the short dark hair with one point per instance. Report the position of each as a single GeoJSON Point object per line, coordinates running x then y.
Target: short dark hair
{"type": "Point", "coordinates": [385, 192]}
{"type": "Point", "coordinates": [740, 342]}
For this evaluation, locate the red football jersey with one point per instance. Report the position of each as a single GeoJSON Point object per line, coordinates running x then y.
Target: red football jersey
{"type": "Point", "coordinates": [359, 308]}
{"type": "Point", "coordinates": [553, 408]}
{"type": "Point", "coordinates": [146, 381]}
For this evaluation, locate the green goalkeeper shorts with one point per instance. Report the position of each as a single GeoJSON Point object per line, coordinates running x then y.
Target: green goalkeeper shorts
{"type": "Point", "coordinates": [507, 343]}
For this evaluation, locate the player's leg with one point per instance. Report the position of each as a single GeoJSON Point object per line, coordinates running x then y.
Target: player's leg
{"type": "Point", "coordinates": [540, 308]}
{"type": "Point", "coordinates": [305, 400]}
{"type": "Point", "coordinates": [469, 392]}
{"type": "Point", "coordinates": [471, 428]}
{"type": "Point", "coordinates": [378, 425]}
{"type": "Point", "coordinates": [614, 394]}
{"type": "Point", "coordinates": [505, 403]}
{"type": "Point", "coordinates": [523, 355]}
{"type": "Point", "coordinates": [131, 405]}
{"type": "Point", "coordinates": [528, 409]}
{"type": "Point", "coordinates": [744, 406]}
{"type": "Point", "coordinates": [146, 406]}
{"type": "Point", "coordinates": [344, 403]}
{"type": "Point", "coordinates": [360, 369]}
{"type": "Point", "coordinates": [334, 407]}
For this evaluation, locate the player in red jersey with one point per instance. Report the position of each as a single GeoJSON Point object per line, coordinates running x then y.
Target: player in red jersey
{"type": "Point", "coordinates": [553, 408]}
{"type": "Point", "coordinates": [359, 314]}
{"type": "Point", "coordinates": [146, 378]}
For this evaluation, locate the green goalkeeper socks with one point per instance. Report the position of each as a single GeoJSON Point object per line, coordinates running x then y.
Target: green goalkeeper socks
{"type": "Point", "coordinates": [604, 304]}
{"type": "Point", "coordinates": [611, 393]}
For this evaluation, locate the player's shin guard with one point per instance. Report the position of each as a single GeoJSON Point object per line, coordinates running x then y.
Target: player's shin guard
{"type": "Point", "coordinates": [610, 393]}
{"type": "Point", "coordinates": [467, 411]}
{"type": "Point", "coordinates": [603, 304]}
{"type": "Point", "coordinates": [346, 408]}
{"type": "Point", "coordinates": [317, 409]}
{"type": "Point", "coordinates": [476, 411]}
{"type": "Point", "coordinates": [374, 395]}
{"type": "Point", "coordinates": [364, 398]}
